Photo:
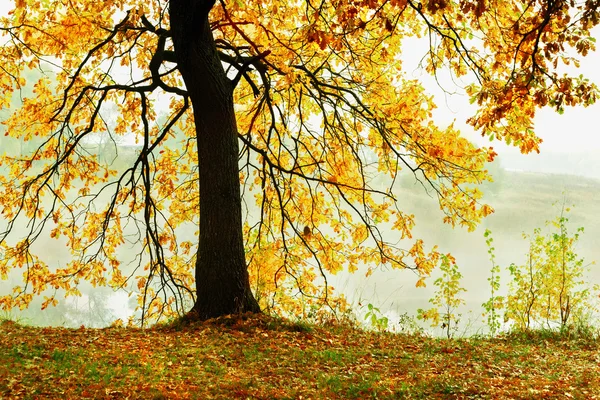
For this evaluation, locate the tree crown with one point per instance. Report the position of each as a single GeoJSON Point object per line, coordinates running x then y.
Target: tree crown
{"type": "Point", "coordinates": [329, 122]}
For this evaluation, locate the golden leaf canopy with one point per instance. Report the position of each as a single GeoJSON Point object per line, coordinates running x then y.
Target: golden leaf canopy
{"type": "Point", "coordinates": [330, 125]}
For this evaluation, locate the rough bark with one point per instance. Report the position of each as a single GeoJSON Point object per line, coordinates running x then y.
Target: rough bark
{"type": "Point", "coordinates": [222, 284]}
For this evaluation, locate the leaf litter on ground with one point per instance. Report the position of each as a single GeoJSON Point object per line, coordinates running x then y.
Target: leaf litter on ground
{"type": "Point", "coordinates": [261, 357]}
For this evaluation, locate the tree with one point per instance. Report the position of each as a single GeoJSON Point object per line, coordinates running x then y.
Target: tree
{"type": "Point", "coordinates": [495, 302]}
{"type": "Point", "coordinates": [301, 104]}
{"type": "Point", "coordinates": [446, 298]}
{"type": "Point", "coordinates": [550, 288]}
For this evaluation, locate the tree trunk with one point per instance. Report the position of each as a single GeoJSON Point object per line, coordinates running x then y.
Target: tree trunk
{"type": "Point", "coordinates": [222, 284]}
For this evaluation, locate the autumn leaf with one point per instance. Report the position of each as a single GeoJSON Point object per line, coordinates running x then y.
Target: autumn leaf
{"type": "Point", "coordinates": [293, 117]}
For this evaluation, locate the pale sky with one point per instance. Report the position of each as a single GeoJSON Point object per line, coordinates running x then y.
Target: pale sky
{"type": "Point", "coordinates": [577, 129]}
{"type": "Point", "coordinates": [5, 5]}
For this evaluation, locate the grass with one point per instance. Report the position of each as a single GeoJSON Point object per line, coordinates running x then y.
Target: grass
{"type": "Point", "coordinates": [259, 357]}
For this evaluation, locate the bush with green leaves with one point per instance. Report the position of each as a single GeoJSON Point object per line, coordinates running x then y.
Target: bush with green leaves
{"type": "Point", "coordinates": [549, 289]}
{"type": "Point", "coordinates": [446, 298]}
{"type": "Point", "coordinates": [495, 302]}
{"type": "Point", "coordinates": [376, 319]}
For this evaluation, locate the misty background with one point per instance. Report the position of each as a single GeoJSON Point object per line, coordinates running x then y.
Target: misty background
{"type": "Point", "coordinates": [524, 190]}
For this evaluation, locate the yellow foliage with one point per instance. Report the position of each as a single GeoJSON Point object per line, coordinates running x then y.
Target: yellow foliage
{"type": "Point", "coordinates": [329, 121]}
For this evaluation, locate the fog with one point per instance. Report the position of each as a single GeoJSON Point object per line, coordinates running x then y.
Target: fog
{"type": "Point", "coordinates": [522, 195]}
{"type": "Point", "coordinates": [522, 202]}
{"type": "Point", "coordinates": [525, 188]}
{"type": "Point", "coordinates": [517, 211]}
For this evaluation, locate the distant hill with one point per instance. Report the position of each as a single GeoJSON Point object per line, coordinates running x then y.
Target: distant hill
{"type": "Point", "coordinates": [586, 164]}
